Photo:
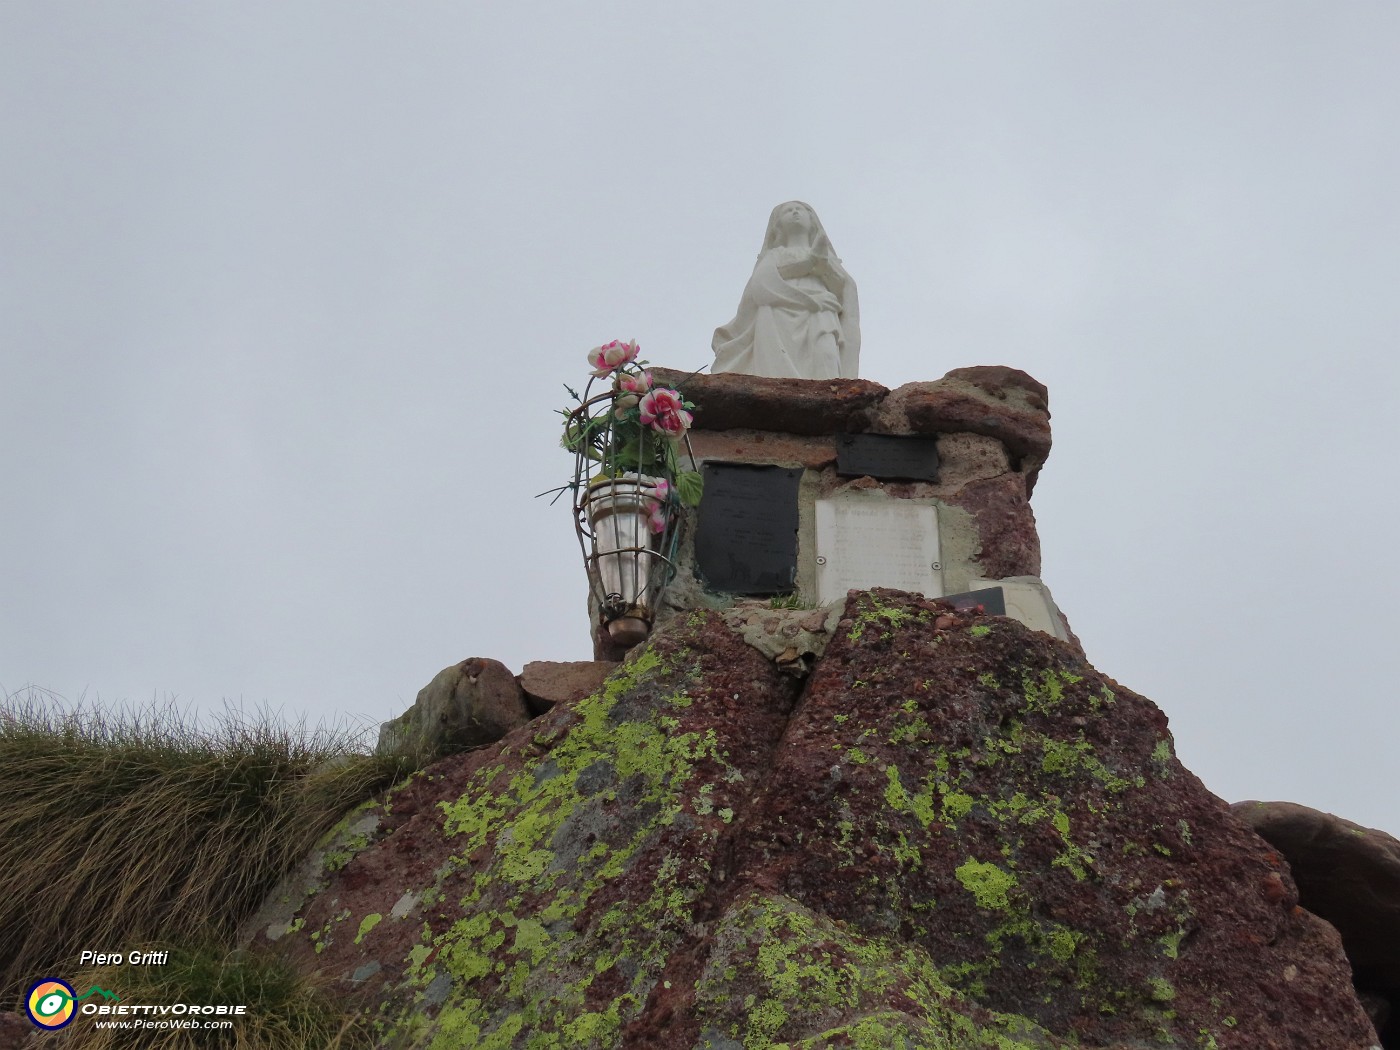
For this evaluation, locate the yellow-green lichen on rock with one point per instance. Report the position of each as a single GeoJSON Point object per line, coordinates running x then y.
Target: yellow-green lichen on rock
{"type": "Point", "coordinates": [954, 839]}
{"type": "Point", "coordinates": [986, 829]}
{"type": "Point", "coordinates": [782, 976]}
{"type": "Point", "coordinates": [565, 871]}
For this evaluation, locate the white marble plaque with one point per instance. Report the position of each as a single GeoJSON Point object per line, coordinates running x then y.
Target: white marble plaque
{"type": "Point", "coordinates": [1028, 600]}
{"type": "Point", "coordinates": [863, 543]}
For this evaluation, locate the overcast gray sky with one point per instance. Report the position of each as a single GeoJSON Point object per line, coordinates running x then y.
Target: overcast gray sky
{"type": "Point", "coordinates": [288, 293]}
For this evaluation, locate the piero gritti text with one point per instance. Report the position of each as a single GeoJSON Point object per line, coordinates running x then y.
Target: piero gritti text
{"type": "Point", "coordinates": [136, 958]}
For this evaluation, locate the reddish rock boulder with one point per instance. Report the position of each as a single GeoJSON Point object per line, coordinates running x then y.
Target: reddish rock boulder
{"type": "Point", "coordinates": [549, 682]}
{"type": "Point", "coordinates": [470, 704]}
{"type": "Point", "coordinates": [537, 890]}
{"type": "Point", "coordinates": [995, 401]}
{"type": "Point", "coordinates": [1350, 876]}
{"type": "Point", "coordinates": [991, 400]}
{"type": "Point", "coordinates": [729, 401]}
{"type": "Point", "coordinates": [977, 797]}
{"type": "Point", "coordinates": [961, 836]}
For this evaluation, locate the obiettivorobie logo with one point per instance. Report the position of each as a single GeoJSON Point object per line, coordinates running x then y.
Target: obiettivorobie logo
{"type": "Point", "coordinates": [51, 1003]}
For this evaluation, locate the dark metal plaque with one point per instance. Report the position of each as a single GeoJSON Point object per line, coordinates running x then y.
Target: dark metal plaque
{"type": "Point", "coordinates": [746, 536]}
{"type": "Point", "coordinates": [888, 456]}
{"type": "Point", "coordinates": [992, 600]}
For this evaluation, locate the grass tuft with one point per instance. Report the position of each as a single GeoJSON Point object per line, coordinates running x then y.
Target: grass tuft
{"type": "Point", "coordinates": [789, 601]}
{"type": "Point", "coordinates": [139, 829]}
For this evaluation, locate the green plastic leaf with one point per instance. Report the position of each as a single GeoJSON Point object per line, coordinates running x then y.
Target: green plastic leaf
{"type": "Point", "coordinates": [689, 487]}
{"type": "Point", "coordinates": [626, 456]}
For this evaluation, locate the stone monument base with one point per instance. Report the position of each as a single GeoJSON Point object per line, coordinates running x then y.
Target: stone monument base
{"type": "Point", "coordinates": [818, 487]}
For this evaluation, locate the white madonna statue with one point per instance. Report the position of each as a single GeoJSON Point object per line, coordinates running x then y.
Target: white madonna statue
{"type": "Point", "coordinates": [798, 317]}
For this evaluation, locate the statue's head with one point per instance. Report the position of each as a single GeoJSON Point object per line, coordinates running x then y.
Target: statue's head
{"type": "Point", "coordinates": [793, 216]}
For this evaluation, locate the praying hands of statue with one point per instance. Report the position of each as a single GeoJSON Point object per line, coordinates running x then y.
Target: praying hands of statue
{"type": "Point", "coordinates": [802, 262]}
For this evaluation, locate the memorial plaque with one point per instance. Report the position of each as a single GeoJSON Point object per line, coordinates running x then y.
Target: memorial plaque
{"type": "Point", "coordinates": [864, 543]}
{"type": "Point", "coordinates": [992, 601]}
{"type": "Point", "coordinates": [1029, 601]}
{"type": "Point", "coordinates": [887, 456]}
{"type": "Point", "coordinates": [746, 535]}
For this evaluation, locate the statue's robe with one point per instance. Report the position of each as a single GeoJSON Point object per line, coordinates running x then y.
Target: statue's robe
{"type": "Point", "coordinates": [779, 327]}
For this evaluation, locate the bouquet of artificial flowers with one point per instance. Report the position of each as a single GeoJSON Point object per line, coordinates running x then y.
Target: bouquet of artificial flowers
{"type": "Point", "coordinates": [632, 428]}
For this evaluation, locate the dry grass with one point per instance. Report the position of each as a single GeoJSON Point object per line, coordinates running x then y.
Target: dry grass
{"type": "Point", "coordinates": [136, 830]}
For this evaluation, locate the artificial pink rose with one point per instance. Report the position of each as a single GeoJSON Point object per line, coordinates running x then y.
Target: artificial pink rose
{"type": "Point", "coordinates": [624, 403]}
{"type": "Point", "coordinates": [610, 356]}
{"type": "Point", "coordinates": [657, 518]}
{"type": "Point", "coordinates": [634, 384]}
{"type": "Point", "coordinates": [664, 412]}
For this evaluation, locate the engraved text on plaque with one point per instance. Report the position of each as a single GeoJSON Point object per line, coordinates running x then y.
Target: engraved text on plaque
{"type": "Point", "coordinates": [863, 543]}
{"type": "Point", "coordinates": [746, 538]}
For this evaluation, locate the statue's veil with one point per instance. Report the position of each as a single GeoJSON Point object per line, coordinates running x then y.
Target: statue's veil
{"type": "Point", "coordinates": [821, 243]}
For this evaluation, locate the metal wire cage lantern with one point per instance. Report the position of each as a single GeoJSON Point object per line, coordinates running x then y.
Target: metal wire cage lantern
{"type": "Point", "coordinates": [627, 507]}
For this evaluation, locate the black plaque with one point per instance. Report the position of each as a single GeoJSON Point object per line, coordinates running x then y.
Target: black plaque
{"type": "Point", "coordinates": [746, 536]}
{"type": "Point", "coordinates": [991, 599]}
{"type": "Point", "coordinates": [887, 456]}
